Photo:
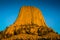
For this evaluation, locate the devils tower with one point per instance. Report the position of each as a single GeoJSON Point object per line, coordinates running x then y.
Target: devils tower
{"type": "Point", "coordinates": [30, 25]}
{"type": "Point", "coordinates": [30, 15]}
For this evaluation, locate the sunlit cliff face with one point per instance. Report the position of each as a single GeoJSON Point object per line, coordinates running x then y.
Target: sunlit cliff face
{"type": "Point", "coordinates": [28, 15]}
{"type": "Point", "coordinates": [29, 25]}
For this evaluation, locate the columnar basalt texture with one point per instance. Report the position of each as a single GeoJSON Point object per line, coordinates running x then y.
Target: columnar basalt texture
{"type": "Point", "coordinates": [29, 25]}
{"type": "Point", "coordinates": [30, 15]}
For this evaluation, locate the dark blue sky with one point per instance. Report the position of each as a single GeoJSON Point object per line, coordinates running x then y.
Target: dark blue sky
{"type": "Point", "coordinates": [9, 10]}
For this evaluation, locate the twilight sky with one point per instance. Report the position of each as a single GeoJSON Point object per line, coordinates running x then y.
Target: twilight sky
{"type": "Point", "coordinates": [9, 10]}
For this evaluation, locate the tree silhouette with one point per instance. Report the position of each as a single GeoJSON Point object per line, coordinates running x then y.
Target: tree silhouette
{"type": "Point", "coordinates": [39, 32]}
{"type": "Point", "coordinates": [28, 30]}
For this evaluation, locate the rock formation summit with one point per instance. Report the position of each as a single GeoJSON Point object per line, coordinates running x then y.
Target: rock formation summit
{"type": "Point", "coordinates": [30, 15]}
{"type": "Point", "coordinates": [29, 25]}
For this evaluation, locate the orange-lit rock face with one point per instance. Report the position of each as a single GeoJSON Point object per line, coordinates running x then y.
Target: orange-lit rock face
{"type": "Point", "coordinates": [30, 15]}
{"type": "Point", "coordinates": [29, 25]}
